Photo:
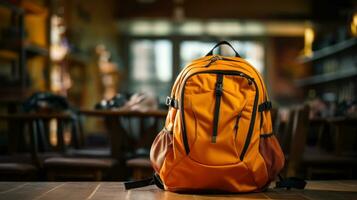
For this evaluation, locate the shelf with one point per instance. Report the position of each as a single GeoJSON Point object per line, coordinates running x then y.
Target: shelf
{"type": "Point", "coordinates": [78, 57]}
{"type": "Point", "coordinates": [11, 6]}
{"type": "Point", "coordinates": [30, 49]}
{"type": "Point", "coordinates": [324, 78]}
{"type": "Point", "coordinates": [35, 50]}
{"type": "Point", "coordinates": [33, 8]}
{"type": "Point", "coordinates": [8, 55]}
{"type": "Point", "coordinates": [328, 51]}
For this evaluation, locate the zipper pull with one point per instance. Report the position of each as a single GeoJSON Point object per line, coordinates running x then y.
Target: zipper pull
{"type": "Point", "coordinates": [237, 124]}
{"type": "Point", "coordinates": [237, 120]}
{"type": "Point", "coordinates": [214, 59]}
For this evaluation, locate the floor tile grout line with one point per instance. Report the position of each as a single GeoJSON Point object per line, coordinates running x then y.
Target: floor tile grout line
{"type": "Point", "coordinates": [38, 197]}
{"type": "Point", "coordinates": [94, 191]}
{"type": "Point", "coordinates": [305, 196]}
{"type": "Point", "coordinates": [266, 195]}
{"type": "Point", "coordinates": [15, 188]}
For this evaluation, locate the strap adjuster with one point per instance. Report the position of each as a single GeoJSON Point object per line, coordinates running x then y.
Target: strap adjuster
{"type": "Point", "coordinates": [171, 102]}
{"type": "Point", "coordinates": [266, 105]}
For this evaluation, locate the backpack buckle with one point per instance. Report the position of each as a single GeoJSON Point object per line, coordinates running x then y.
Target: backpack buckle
{"type": "Point", "coordinates": [171, 102]}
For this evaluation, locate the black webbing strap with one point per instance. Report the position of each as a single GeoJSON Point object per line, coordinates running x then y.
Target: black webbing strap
{"type": "Point", "coordinates": [154, 180]}
{"type": "Point", "coordinates": [266, 105]}
{"type": "Point", "coordinates": [291, 182]}
{"type": "Point", "coordinates": [171, 102]}
{"type": "Point", "coordinates": [141, 183]}
{"type": "Point", "coordinates": [158, 181]}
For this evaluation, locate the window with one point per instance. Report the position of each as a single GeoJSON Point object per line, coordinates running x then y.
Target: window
{"type": "Point", "coordinates": [191, 50]}
{"type": "Point", "coordinates": [151, 60]}
{"type": "Point", "coordinates": [252, 51]}
{"type": "Point", "coordinates": [151, 66]}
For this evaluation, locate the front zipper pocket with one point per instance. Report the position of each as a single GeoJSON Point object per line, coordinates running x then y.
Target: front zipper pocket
{"type": "Point", "coordinates": [202, 128]}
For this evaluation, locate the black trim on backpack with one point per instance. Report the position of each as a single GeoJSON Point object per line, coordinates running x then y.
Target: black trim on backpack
{"type": "Point", "coordinates": [158, 181]}
{"type": "Point", "coordinates": [291, 182]}
{"type": "Point", "coordinates": [266, 105]}
{"type": "Point", "coordinates": [172, 102]}
{"type": "Point", "coordinates": [154, 180]}
{"type": "Point", "coordinates": [218, 93]}
{"type": "Point", "coordinates": [252, 122]}
{"type": "Point", "coordinates": [219, 44]}
{"type": "Point", "coordinates": [266, 135]}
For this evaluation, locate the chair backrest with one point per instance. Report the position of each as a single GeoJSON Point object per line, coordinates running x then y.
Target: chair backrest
{"type": "Point", "coordinates": [141, 130]}
{"type": "Point", "coordinates": [24, 139]}
{"type": "Point", "coordinates": [299, 129]}
{"type": "Point", "coordinates": [289, 129]}
{"type": "Point", "coordinates": [48, 103]}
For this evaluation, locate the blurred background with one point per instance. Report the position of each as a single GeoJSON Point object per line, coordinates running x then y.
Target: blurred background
{"type": "Point", "coordinates": [83, 83]}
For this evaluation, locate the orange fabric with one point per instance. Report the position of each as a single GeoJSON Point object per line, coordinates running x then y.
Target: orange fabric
{"type": "Point", "coordinates": [160, 147]}
{"type": "Point", "coordinates": [274, 159]}
{"type": "Point", "coordinates": [230, 163]}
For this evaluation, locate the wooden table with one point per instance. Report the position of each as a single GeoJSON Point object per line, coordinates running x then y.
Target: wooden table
{"type": "Point", "coordinates": [117, 134]}
{"type": "Point", "coordinates": [315, 190]}
{"type": "Point", "coordinates": [124, 113]}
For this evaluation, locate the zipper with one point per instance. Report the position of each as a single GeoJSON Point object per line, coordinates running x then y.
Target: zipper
{"type": "Point", "coordinates": [260, 79]}
{"type": "Point", "coordinates": [186, 70]}
{"type": "Point", "coordinates": [252, 121]}
{"type": "Point", "coordinates": [214, 59]}
{"type": "Point", "coordinates": [218, 92]}
{"type": "Point", "coordinates": [236, 126]}
{"type": "Point", "coordinates": [261, 120]}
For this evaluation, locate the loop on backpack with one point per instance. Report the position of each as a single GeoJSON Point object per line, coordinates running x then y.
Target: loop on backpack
{"type": "Point", "coordinates": [219, 44]}
{"type": "Point", "coordinates": [266, 105]}
{"type": "Point", "coordinates": [171, 102]}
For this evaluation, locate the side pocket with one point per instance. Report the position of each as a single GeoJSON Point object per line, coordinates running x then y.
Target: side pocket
{"type": "Point", "coordinates": [159, 148]}
{"type": "Point", "coordinates": [272, 154]}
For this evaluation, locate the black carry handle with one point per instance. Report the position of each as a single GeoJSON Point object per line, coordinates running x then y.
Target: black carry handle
{"type": "Point", "coordinates": [210, 53]}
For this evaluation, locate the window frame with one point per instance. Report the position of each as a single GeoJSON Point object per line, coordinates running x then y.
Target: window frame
{"type": "Point", "coordinates": [176, 40]}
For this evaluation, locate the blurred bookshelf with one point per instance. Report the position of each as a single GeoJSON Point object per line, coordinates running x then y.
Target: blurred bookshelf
{"type": "Point", "coordinates": [333, 70]}
{"type": "Point", "coordinates": [24, 48]}
{"type": "Point", "coordinates": [329, 51]}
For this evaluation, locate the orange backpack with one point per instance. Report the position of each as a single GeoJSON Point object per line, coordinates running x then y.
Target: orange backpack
{"type": "Point", "coordinates": [218, 132]}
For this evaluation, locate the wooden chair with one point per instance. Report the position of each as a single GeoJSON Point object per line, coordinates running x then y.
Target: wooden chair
{"type": "Point", "coordinates": [283, 129]}
{"type": "Point", "coordinates": [306, 161]}
{"type": "Point", "coordinates": [20, 165]}
{"type": "Point", "coordinates": [73, 167]}
{"type": "Point", "coordinates": [296, 132]}
{"type": "Point", "coordinates": [139, 163]}
{"type": "Point", "coordinates": [61, 166]}
{"type": "Point", "coordinates": [141, 168]}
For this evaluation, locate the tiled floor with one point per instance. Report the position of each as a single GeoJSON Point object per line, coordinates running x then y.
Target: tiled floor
{"type": "Point", "coordinates": [115, 190]}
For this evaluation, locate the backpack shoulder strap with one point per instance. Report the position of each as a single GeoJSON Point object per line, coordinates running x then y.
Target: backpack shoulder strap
{"type": "Point", "coordinates": [154, 180]}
